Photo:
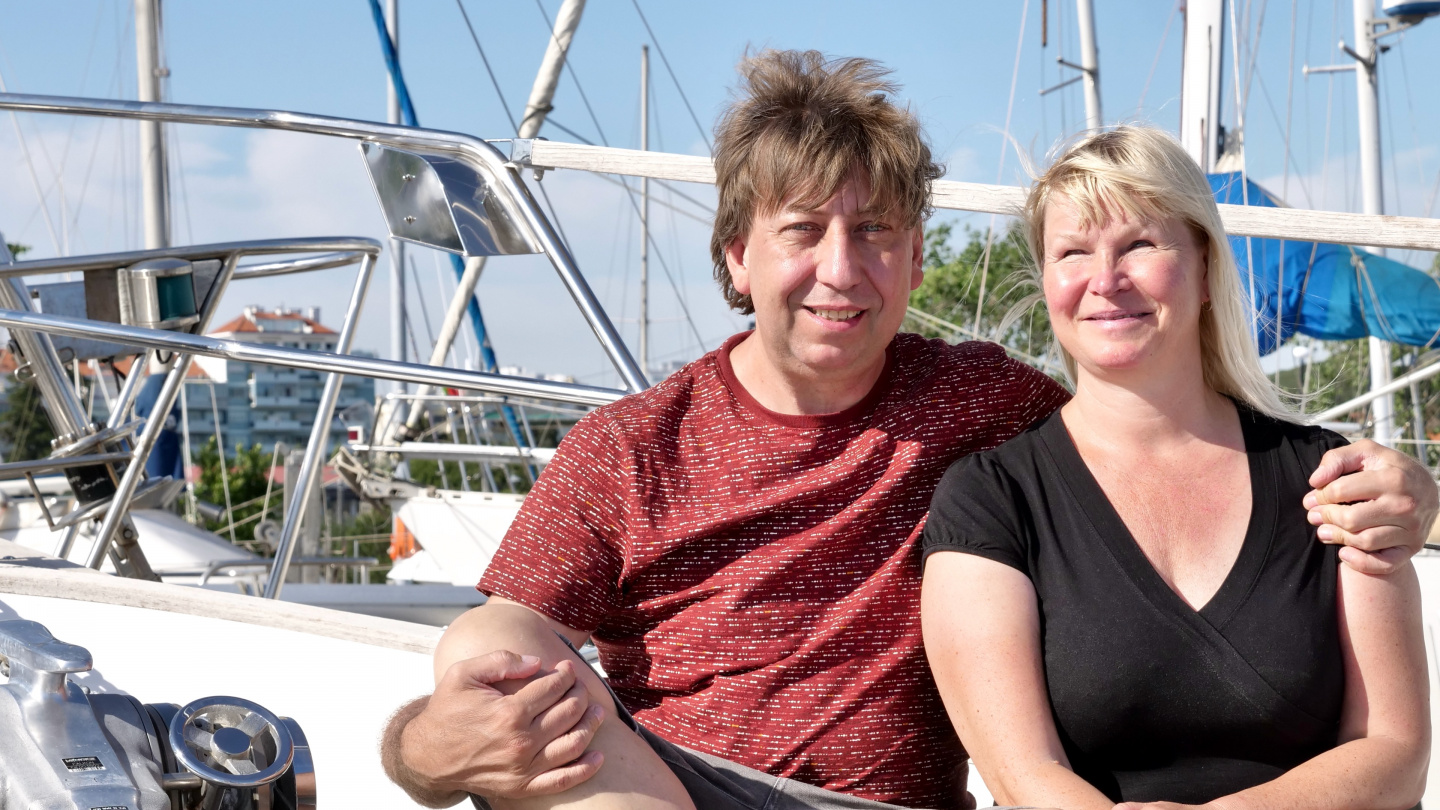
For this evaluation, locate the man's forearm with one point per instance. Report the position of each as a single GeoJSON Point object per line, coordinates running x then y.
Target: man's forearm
{"type": "Point", "coordinates": [401, 774]}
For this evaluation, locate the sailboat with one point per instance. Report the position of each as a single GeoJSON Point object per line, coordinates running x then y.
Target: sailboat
{"type": "Point", "coordinates": [333, 674]}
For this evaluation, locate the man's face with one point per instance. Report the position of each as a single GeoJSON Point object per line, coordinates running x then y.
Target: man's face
{"type": "Point", "coordinates": [829, 285]}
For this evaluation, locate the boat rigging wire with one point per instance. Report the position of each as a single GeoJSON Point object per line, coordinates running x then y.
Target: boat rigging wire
{"type": "Point", "coordinates": [1159, 49]}
{"type": "Point", "coordinates": [554, 217]}
{"type": "Point", "coordinates": [1240, 103]}
{"type": "Point", "coordinates": [476, 39]}
{"type": "Point", "coordinates": [1289, 106]}
{"type": "Point", "coordinates": [629, 192]}
{"type": "Point", "coordinates": [1290, 157]}
{"type": "Point", "coordinates": [424, 310]}
{"type": "Point", "coordinates": [1253, 52]}
{"type": "Point", "coordinates": [220, 448]}
{"type": "Point", "coordinates": [656, 42]}
{"type": "Point", "coordinates": [34, 179]}
{"type": "Point", "coordinates": [1000, 173]}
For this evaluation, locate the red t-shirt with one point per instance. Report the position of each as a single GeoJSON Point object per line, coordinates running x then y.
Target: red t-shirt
{"type": "Point", "coordinates": [751, 579]}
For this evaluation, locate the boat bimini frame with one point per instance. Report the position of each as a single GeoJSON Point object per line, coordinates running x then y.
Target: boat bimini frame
{"type": "Point", "coordinates": [444, 190]}
{"type": "Point", "coordinates": [449, 191]}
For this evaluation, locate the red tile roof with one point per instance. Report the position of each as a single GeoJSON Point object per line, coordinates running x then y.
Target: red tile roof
{"type": "Point", "coordinates": [247, 322]}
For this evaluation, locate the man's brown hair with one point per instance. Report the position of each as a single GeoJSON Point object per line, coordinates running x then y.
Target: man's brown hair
{"type": "Point", "coordinates": [801, 127]}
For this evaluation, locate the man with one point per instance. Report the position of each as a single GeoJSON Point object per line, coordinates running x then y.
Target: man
{"type": "Point", "coordinates": [739, 540]}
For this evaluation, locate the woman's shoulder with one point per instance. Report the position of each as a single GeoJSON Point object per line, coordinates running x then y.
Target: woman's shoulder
{"type": "Point", "coordinates": [1020, 455]}
{"type": "Point", "coordinates": [1289, 435]}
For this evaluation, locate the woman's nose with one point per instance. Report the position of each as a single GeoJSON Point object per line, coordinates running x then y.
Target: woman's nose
{"type": "Point", "coordinates": [1109, 275]}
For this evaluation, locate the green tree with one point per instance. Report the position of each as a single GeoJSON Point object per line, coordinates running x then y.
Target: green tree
{"type": "Point", "coordinates": [248, 472]}
{"type": "Point", "coordinates": [956, 280]}
{"type": "Point", "coordinates": [16, 249]}
{"type": "Point", "coordinates": [25, 431]}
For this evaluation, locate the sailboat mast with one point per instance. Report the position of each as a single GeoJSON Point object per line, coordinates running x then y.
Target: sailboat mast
{"type": "Point", "coordinates": [1200, 81]}
{"type": "Point", "coordinates": [154, 177]}
{"type": "Point", "coordinates": [1367, 109]}
{"type": "Point", "coordinates": [1090, 63]}
{"type": "Point", "coordinates": [397, 248]}
{"type": "Point", "coordinates": [644, 354]}
{"type": "Point", "coordinates": [543, 91]}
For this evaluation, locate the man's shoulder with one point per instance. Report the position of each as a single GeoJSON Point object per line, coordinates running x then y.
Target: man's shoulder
{"type": "Point", "coordinates": [697, 384]}
{"type": "Point", "coordinates": [974, 368]}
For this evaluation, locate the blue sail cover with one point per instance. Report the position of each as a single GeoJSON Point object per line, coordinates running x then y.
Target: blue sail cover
{"type": "Point", "coordinates": [1330, 292]}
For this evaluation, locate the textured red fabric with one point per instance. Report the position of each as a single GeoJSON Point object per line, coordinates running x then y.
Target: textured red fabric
{"type": "Point", "coordinates": [751, 579]}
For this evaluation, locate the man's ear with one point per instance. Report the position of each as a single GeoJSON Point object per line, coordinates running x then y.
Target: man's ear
{"type": "Point", "coordinates": [736, 263]}
{"type": "Point", "coordinates": [917, 258]}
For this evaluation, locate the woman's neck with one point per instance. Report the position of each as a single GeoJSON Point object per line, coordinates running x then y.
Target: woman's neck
{"type": "Point", "coordinates": [1147, 411]}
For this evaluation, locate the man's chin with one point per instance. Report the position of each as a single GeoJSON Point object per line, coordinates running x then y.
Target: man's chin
{"type": "Point", "coordinates": [838, 357]}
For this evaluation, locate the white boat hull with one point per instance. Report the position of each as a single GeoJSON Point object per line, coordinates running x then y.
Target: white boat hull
{"type": "Point", "coordinates": [339, 675]}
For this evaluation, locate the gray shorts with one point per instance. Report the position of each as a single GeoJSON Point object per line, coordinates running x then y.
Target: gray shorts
{"type": "Point", "coordinates": [719, 784]}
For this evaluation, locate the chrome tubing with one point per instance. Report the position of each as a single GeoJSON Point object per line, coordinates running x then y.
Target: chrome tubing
{"type": "Point", "coordinates": [139, 370]}
{"type": "Point", "coordinates": [287, 357]}
{"type": "Point", "coordinates": [19, 469]}
{"type": "Point", "coordinates": [60, 400]}
{"type": "Point", "coordinates": [325, 262]}
{"type": "Point", "coordinates": [470, 150]}
{"type": "Point", "coordinates": [349, 246]}
{"type": "Point", "coordinates": [319, 439]}
{"type": "Point", "coordinates": [119, 510]}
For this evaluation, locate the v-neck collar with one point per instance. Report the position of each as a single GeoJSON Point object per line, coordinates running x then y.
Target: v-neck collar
{"type": "Point", "coordinates": [1254, 549]}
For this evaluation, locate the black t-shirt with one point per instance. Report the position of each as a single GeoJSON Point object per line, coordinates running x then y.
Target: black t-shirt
{"type": "Point", "coordinates": [1152, 699]}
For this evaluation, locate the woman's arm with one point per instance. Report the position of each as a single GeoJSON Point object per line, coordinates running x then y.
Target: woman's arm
{"type": "Point", "coordinates": [982, 636]}
{"type": "Point", "coordinates": [1385, 724]}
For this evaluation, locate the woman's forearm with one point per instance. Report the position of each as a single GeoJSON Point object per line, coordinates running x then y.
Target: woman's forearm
{"type": "Point", "coordinates": [1374, 773]}
{"type": "Point", "coordinates": [1049, 784]}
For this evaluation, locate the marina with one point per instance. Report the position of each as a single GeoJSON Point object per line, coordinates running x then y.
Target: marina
{"type": "Point", "coordinates": [382, 479]}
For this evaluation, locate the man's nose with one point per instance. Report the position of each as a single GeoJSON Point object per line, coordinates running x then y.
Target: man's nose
{"type": "Point", "coordinates": [840, 266]}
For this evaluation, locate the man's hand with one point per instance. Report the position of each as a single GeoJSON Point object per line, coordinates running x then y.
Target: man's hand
{"type": "Point", "coordinates": [1378, 502]}
{"type": "Point", "coordinates": [471, 737]}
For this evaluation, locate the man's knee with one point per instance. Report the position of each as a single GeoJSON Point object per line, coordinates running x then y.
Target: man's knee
{"type": "Point", "coordinates": [520, 630]}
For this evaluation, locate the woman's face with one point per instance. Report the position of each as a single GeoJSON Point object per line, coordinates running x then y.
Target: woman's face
{"type": "Point", "coordinates": [1124, 295]}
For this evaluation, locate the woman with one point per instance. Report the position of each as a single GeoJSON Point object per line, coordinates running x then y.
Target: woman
{"type": "Point", "coordinates": [1147, 616]}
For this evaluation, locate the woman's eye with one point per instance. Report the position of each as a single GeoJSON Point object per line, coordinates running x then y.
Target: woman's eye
{"type": "Point", "coordinates": [1141, 243]}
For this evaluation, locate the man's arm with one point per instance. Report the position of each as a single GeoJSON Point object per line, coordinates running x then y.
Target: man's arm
{"type": "Point", "coordinates": [1378, 502]}
{"type": "Point", "coordinates": [539, 725]}
{"type": "Point", "coordinates": [394, 764]}
{"type": "Point", "coordinates": [497, 725]}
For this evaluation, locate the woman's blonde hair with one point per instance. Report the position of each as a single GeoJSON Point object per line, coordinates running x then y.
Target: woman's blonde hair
{"type": "Point", "coordinates": [1144, 174]}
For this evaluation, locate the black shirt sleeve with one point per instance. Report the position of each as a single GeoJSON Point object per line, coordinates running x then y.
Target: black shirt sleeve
{"type": "Point", "coordinates": [978, 509]}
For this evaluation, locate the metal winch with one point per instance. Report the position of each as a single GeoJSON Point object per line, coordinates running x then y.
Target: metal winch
{"type": "Point", "coordinates": [66, 749]}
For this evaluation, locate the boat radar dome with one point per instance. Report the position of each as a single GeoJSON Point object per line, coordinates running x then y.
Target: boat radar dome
{"type": "Point", "coordinates": [1411, 9]}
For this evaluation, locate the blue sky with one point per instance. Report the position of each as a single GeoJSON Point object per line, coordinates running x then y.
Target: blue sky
{"type": "Point", "coordinates": [955, 61]}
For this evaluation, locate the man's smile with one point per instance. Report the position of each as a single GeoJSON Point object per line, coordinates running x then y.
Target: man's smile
{"type": "Point", "coordinates": [838, 315]}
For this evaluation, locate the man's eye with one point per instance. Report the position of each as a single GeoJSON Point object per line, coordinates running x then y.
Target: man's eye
{"type": "Point", "coordinates": [874, 227]}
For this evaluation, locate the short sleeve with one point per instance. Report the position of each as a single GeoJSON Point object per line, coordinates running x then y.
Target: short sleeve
{"type": "Point", "coordinates": [978, 509]}
{"type": "Point", "coordinates": [1035, 395]}
{"type": "Point", "coordinates": [560, 555]}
